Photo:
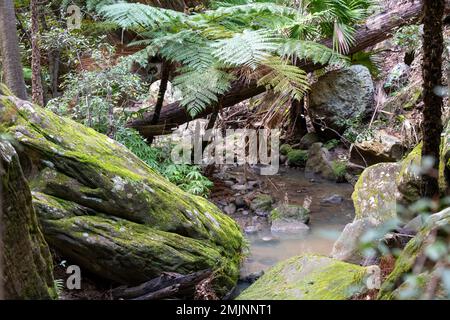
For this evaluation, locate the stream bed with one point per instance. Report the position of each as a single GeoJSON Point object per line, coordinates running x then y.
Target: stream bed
{"type": "Point", "coordinates": [331, 209]}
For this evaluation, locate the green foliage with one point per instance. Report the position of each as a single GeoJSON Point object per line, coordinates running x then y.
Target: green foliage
{"type": "Point", "coordinates": [187, 177]}
{"type": "Point", "coordinates": [91, 96]}
{"type": "Point", "coordinates": [297, 158]}
{"type": "Point", "coordinates": [331, 144]}
{"type": "Point", "coordinates": [339, 169]}
{"type": "Point", "coordinates": [408, 37]}
{"type": "Point", "coordinates": [285, 149]}
{"type": "Point", "coordinates": [371, 60]}
{"type": "Point", "coordinates": [261, 37]}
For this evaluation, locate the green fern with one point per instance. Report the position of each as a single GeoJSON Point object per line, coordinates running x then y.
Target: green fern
{"type": "Point", "coordinates": [246, 49]}
{"type": "Point", "coordinates": [285, 78]}
{"type": "Point", "coordinates": [312, 51]}
{"type": "Point", "coordinates": [201, 88]}
{"type": "Point", "coordinates": [136, 15]}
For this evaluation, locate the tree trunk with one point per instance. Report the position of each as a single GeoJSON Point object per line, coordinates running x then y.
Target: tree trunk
{"type": "Point", "coordinates": [377, 29]}
{"type": "Point", "coordinates": [27, 264]}
{"type": "Point", "coordinates": [165, 75]}
{"type": "Point", "coordinates": [298, 118]}
{"type": "Point", "coordinates": [9, 45]}
{"type": "Point", "coordinates": [433, 48]}
{"type": "Point", "coordinates": [37, 92]}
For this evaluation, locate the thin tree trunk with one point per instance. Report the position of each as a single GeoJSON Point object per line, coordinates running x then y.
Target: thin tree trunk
{"type": "Point", "coordinates": [37, 92]}
{"type": "Point", "coordinates": [298, 118]}
{"type": "Point", "coordinates": [165, 75]}
{"type": "Point", "coordinates": [9, 45]}
{"type": "Point", "coordinates": [433, 47]}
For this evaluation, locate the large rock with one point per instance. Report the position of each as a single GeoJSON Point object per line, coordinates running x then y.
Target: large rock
{"type": "Point", "coordinates": [27, 269]}
{"type": "Point", "coordinates": [309, 277]}
{"type": "Point", "coordinates": [289, 219]}
{"type": "Point", "coordinates": [348, 246]}
{"type": "Point", "coordinates": [319, 162]}
{"type": "Point", "coordinates": [397, 78]}
{"type": "Point", "coordinates": [380, 147]}
{"type": "Point", "coordinates": [340, 96]}
{"type": "Point", "coordinates": [105, 209]}
{"type": "Point", "coordinates": [376, 193]}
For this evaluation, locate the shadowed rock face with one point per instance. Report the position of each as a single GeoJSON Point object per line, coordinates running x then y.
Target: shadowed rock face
{"type": "Point", "coordinates": [105, 209]}
{"type": "Point", "coordinates": [26, 262]}
{"type": "Point", "coordinates": [340, 96]}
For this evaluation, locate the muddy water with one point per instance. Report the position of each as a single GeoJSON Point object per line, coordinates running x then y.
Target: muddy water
{"type": "Point", "coordinates": [327, 220]}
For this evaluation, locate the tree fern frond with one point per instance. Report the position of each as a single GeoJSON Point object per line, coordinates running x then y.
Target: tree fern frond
{"type": "Point", "coordinates": [313, 51]}
{"type": "Point", "coordinates": [201, 88]}
{"type": "Point", "coordinates": [247, 49]}
{"type": "Point", "coordinates": [137, 15]}
{"type": "Point", "coordinates": [285, 78]}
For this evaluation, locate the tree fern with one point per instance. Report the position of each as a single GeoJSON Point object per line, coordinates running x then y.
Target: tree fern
{"type": "Point", "coordinates": [312, 51]}
{"type": "Point", "coordinates": [136, 15]}
{"type": "Point", "coordinates": [201, 88]}
{"type": "Point", "coordinates": [246, 49]}
{"type": "Point", "coordinates": [285, 78]}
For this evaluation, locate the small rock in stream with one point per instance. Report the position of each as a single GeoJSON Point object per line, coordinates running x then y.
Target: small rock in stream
{"type": "Point", "coordinates": [252, 277]}
{"type": "Point", "coordinates": [333, 199]}
{"type": "Point", "coordinates": [230, 209]}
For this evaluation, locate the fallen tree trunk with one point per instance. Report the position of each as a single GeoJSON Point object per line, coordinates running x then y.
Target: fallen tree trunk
{"type": "Point", "coordinates": [166, 285]}
{"type": "Point", "coordinates": [376, 29]}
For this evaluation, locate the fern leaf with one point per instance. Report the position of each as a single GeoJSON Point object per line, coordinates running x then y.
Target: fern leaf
{"type": "Point", "coordinates": [313, 51]}
{"type": "Point", "coordinates": [285, 78]}
{"type": "Point", "coordinates": [136, 15]}
{"type": "Point", "coordinates": [246, 49]}
{"type": "Point", "coordinates": [201, 88]}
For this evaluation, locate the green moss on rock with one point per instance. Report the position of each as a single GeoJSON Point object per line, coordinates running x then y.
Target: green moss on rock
{"type": "Point", "coordinates": [78, 173]}
{"type": "Point", "coordinates": [309, 277]}
{"type": "Point", "coordinates": [297, 158]}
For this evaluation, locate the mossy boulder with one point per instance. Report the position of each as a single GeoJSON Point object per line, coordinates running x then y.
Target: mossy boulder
{"type": "Point", "coordinates": [375, 195]}
{"type": "Point", "coordinates": [413, 251]}
{"type": "Point", "coordinates": [308, 140]}
{"type": "Point", "coordinates": [297, 158]}
{"type": "Point", "coordinates": [289, 219]}
{"type": "Point", "coordinates": [348, 246]}
{"type": "Point", "coordinates": [262, 202]}
{"type": "Point", "coordinates": [27, 269]}
{"type": "Point", "coordinates": [87, 187]}
{"type": "Point", "coordinates": [285, 149]}
{"type": "Point", "coordinates": [409, 180]}
{"type": "Point", "coordinates": [319, 163]}
{"type": "Point", "coordinates": [309, 277]}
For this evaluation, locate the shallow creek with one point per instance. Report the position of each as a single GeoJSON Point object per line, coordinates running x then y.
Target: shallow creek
{"type": "Point", "coordinates": [326, 222]}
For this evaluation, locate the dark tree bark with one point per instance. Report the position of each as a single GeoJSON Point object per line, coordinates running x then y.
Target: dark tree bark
{"type": "Point", "coordinates": [26, 261]}
{"type": "Point", "coordinates": [9, 45]}
{"type": "Point", "coordinates": [377, 29]}
{"type": "Point", "coordinates": [37, 91]}
{"type": "Point", "coordinates": [298, 118]}
{"type": "Point", "coordinates": [433, 48]}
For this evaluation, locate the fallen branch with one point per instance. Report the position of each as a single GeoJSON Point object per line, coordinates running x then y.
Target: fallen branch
{"type": "Point", "coordinates": [166, 285]}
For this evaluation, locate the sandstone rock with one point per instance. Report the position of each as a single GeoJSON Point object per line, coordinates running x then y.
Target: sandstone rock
{"type": "Point", "coordinates": [339, 96]}
{"type": "Point", "coordinates": [309, 277]}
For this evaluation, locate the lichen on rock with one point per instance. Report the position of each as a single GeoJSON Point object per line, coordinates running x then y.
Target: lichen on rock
{"type": "Point", "coordinates": [309, 277]}
{"type": "Point", "coordinates": [87, 183]}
